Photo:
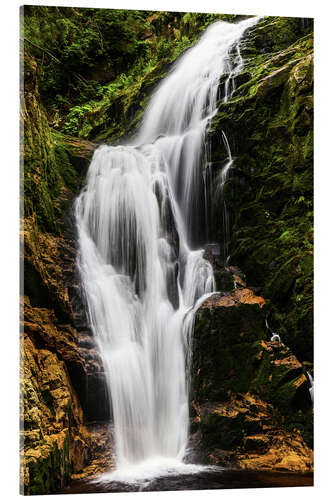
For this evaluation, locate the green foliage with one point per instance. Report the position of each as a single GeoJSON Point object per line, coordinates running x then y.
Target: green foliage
{"type": "Point", "coordinates": [48, 167]}
{"type": "Point", "coordinates": [94, 64]}
{"type": "Point", "coordinates": [73, 44]}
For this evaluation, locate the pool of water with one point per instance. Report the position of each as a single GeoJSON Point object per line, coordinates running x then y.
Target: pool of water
{"type": "Point", "coordinates": [205, 479]}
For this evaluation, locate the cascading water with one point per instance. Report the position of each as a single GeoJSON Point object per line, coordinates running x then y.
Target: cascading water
{"type": "Point", "coordinates": [141, 219]}
{"type": "Point", "coordinates": [235, 66]}
{"type": "Point", "coordinates": [224, 175]}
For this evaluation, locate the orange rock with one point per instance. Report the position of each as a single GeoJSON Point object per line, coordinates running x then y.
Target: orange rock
{"type": "Point", "coordinates": [244, 296]}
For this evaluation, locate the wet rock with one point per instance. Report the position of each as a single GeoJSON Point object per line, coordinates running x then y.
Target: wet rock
{"type": "Point", "coordinates": [55, 441]}
{"type": "Point", "coordinates": [53, 436]}
{"type": "Point", "coordinates": [250, 395]}
{"type": "Point", "coordinates": [269, 125]}
{"type": "Point", "coordinates": [259, 443]}
{"type": "Point", "coordinates": [79, 352]}
{"type": "Point", "coordinates": [101, 452]}
{"type": "Point", "coordinates": [244, 433]}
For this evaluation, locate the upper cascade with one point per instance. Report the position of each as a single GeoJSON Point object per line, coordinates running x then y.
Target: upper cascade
{"type": "Point", "coordinates": [179, 112]}
{"type": "Point", "coordinates": [186, 99]}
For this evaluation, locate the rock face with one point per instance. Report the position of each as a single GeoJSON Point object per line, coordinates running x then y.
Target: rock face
{"type": "Point", "coordinates": [244, 432]}
{"type": "Point", "coordinates": [54, 438]}
{"type": "Point", "coordinates": [269, 192]}
{"type": "Point", "coordinates": [62, 378]}
{"type": "Point", "coordinates": [250, 403]}
{"type": "Point", "coordinates": [59, 381]}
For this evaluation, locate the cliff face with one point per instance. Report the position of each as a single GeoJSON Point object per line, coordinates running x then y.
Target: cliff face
{"type": "Point", "coordinates": [54, 434]}
{"type": "Point", "coordinates": [251, 402]}
{"type": "Point", "coordinates": [269, 124]}
{"type": "Point", "coordinates": [251, 406]}
{"type": "Point", "coordinates": [58, 375]}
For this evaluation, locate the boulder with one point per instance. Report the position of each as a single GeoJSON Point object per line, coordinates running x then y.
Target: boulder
{"type": "Point", "coordinates": [251, 406]}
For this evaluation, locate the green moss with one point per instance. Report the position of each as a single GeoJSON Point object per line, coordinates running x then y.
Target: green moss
{"type": "Point", "coordinates": [222, 432]}
{"type": "Point", "coordinates": [64, 162]}
{"type": "Point", "coordinates": [228, 354]}
{"type": "Point", "coordinates": [222, 349]}
{"type": "Point", "coordinates": [48, 164]}
{"type": "Point", "coordinates": [269, 125]}
{"type": "Point", "coordinates": [232, 355]}
{"type": "Point", "coordinates": [224, 281]}
{"type": "Point", "coordinates": [51, 471]}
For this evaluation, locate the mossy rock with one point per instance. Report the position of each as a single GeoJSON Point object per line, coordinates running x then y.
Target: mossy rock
{"type": "Point", "coordinates": [232, 352]}
{"type": "Point", "coordinates": [224, 280]}
{"type": "Point", "coordinates": [218, 431]}
{"type": "Point", "coordinates": [221, 343]}
{"type": "Point", "coordinates": [269, 125]}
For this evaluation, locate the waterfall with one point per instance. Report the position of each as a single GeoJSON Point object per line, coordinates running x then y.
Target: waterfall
{"type": "Point", "coordinates": [141, 228]}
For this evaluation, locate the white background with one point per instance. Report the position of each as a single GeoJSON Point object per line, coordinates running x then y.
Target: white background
{"type": "Point", "coordinates": [9, 241]}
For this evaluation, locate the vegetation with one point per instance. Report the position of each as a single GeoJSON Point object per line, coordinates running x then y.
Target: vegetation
{"type": "Point", "coordinates": [95, 66]}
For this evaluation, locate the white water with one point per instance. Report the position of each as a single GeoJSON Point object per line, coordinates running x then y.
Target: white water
{"type": "Point", "coordinates": [311, 389]}
{"type": "Point", "coordinates": [276, 338]}
{"type": "Point", "coordinates": [144, 472]}
{"type": "Point", "coordinates": [224, 175]}
{"type": "Point", "coordinates": [140, 221]}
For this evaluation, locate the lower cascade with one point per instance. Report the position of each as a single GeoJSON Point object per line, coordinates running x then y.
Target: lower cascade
{"type": "Point", "coordinates": [142, 219]}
